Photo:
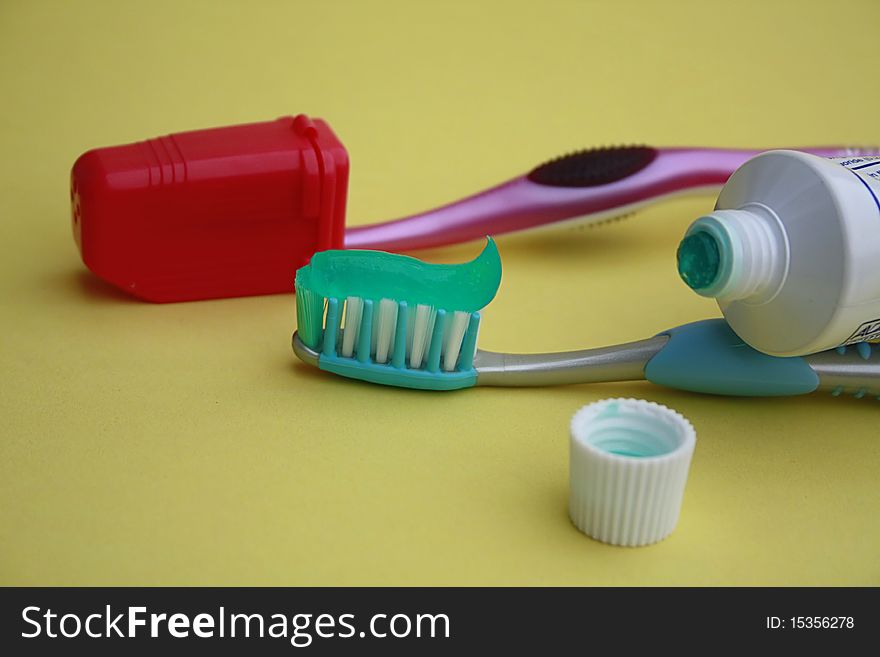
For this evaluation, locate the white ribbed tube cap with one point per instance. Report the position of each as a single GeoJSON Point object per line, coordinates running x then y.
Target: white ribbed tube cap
{"type": "Point", "coordinates": [629, 461]}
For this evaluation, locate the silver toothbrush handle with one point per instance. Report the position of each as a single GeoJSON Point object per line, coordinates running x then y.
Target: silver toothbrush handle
{"type": "Point", "coordinates": [854, 370]}
{"type": "Point", "coordinates": [624, 362]}
{"type": "Point", "coordinates": [851, 370]}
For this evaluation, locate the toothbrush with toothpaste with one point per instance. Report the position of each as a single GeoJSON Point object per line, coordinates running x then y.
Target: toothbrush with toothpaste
{"type": "Point", "coordinates": [584, 188]}
{"type": "Point", "coordinates": [395, 320]}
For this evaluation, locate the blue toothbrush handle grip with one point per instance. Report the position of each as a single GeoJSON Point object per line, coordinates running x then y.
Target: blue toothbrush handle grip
{"type": "Point", "coordinates": [709, 357]}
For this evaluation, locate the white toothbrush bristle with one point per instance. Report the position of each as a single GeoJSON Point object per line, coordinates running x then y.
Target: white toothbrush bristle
{"type": "Point", "coordinates": [354, 307]}
{"type": "Point", "coordinates": [384, 328]}
{"type": "Point", "coordinates": [423, 326]}
{"type": "Point", "coordinates": [452, 343]}
{"type": "Point", "coordinates": [410, 325]}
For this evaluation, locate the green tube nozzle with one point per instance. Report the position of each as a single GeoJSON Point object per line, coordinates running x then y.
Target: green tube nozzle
{"type": "Point", "coordinates": [699, 260]}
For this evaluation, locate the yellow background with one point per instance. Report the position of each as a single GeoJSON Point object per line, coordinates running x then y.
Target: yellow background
{"type": "Point", "coordinates": [183, 444]}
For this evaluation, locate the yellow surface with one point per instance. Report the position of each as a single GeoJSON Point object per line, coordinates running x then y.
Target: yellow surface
{"type": "Point", "coordinates": [183, 444]}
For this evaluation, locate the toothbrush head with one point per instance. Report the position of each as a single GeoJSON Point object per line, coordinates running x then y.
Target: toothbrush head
{"type": "Point", "coordinates": [392, 319]}
{"type": "Point", "coordinates": [593, 167]}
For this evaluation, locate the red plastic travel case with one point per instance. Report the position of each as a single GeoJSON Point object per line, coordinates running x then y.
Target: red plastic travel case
{"type": "Point", "coordinates": [225, 212]}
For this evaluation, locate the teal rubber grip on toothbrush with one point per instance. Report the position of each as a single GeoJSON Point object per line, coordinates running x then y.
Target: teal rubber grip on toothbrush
{"type": "Point", "coordinates": [707, 356]}
{"type": "Point", "coordinates": [400, 377]}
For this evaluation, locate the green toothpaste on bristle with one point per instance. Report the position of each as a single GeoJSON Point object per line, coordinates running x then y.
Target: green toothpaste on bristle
{"type": "Point", "coordinates": [393, 318]}
{"type": "Point", "coordinates": [378, 275]}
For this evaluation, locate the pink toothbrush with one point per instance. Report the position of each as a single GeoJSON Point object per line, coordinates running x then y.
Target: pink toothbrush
{"type": "Point", "coordinates": [585, 187]}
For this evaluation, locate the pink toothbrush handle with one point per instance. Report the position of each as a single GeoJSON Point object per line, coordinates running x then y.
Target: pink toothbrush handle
{"type": "Point", "coordinates": [522, 204]}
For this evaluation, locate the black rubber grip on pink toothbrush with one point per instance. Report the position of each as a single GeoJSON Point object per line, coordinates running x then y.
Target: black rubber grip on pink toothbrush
{"type": "Point", "coordinates": [594, 166]}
